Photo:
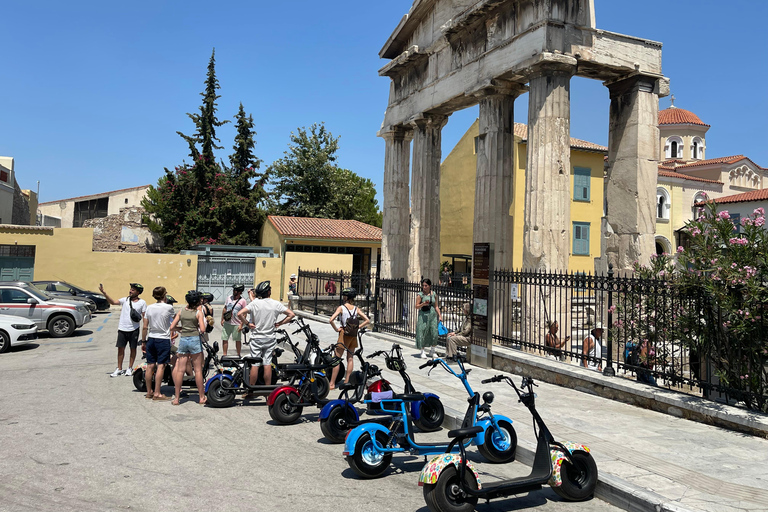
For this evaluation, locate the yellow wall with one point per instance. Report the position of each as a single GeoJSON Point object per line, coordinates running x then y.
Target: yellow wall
{"type": "Point", "coordinates": [457, 201]}
{"type": "Point", "coordinates": [271, 238]}
{"type": "Point", "coordinates": [269, 269]}
{"type": "Point", "coordinates": [65, 254]}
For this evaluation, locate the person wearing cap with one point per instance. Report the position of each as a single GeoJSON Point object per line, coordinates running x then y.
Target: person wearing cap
{"type": "Point", "coordinates": [230, 324]}
{"type": "Point", "coordinates": [346, 343]}
{"type": "Point", "coordinates": [293, 286]}
{"type": "Point", "coordinates": [593, 349]}
{"type": "Point", "coordinates": [264, 313]}
{"type": "Point", "coordinates": [127, 327]}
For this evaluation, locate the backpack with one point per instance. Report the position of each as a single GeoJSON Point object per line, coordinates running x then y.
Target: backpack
{"type": "Point", "coordinates": [352, 324]}
{"type": "Point", "coordinates": [631, 353]}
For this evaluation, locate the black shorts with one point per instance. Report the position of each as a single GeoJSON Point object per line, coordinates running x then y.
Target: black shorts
{"type": "Point", "coordinates": [126, 337]}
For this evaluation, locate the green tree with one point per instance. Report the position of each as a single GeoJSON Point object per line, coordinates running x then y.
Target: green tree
{"type": "Point", "coordinates": [308, 182]}
{"type": "Point", "coordinates": [205, 202]}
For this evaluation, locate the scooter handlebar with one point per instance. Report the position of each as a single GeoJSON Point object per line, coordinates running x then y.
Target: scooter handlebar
{"type": "Point", "coordinates": [375, 354]}
{"type": "Point", "coordinates": [432, 362]}
{"type": "Point", "coordinates": [495, 378]}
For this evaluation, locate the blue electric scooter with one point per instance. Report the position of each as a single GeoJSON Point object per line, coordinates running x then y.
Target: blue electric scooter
{"type": "Point", "coordinates": [369, 447]}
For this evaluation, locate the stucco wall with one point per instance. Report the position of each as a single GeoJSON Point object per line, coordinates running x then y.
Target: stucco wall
{"type": "Point", "coordinates": [6, 191]}
{"type": "Point", "coordinates": [65, 254]}
{"type": "Point", "coordinates": [65, 209]}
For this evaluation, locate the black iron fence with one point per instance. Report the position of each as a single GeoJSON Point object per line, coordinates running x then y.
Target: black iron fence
{"type": "Point", "coordinates": [320, 291]}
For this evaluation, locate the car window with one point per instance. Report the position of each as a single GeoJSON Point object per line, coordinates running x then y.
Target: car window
{"type": "Point", "coordinates": [61, 287]}
{"type": "Point", "coordinates": [11, 296]}
{"type": "Point", "coordinates": [39, 294]}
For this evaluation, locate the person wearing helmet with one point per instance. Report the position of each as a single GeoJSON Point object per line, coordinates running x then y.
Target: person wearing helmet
{"type": "Point", "coordinates": [230, 324]}
{"type": "Point", "coordinates": [207, 309]}
{"type": "Point", "coordinates": [131, 314]}
{"type": "Point", "coordinates": [347, 338]}
{"type": "Point", "coordinates": [190, 322]}
{"type": "Point", "coordinates": [264, 313]}
{"type": "Point", "coordinates": [156, 341]}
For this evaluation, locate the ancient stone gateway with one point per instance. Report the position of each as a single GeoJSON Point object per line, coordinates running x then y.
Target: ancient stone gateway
{"type": "Point", "coordinates": [447, 55]}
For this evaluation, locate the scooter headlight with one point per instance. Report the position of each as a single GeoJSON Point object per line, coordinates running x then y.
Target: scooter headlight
{"type": "Point", "coordinates": [488, 397]}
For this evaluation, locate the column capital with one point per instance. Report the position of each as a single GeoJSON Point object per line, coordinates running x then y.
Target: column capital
{"type": "Point", "coordinates": [424, 121]}
{"type": "Point", "coordinates": [551, 64]}
{"type": "Point", "coordinates": [497, 87]}
{"type": "Point", "coordinates": [396, 133]}
{"type": "Point", "coordinates": [656, 84]}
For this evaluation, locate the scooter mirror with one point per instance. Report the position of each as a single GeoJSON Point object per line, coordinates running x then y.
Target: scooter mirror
{"type": "Point", "coordinates": [488, 397]}
{"type": "Point", "coordinates": [215, 346]}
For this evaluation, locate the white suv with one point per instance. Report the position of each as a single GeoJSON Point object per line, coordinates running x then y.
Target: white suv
{"type": "Point", "coordinates": [60, 317]}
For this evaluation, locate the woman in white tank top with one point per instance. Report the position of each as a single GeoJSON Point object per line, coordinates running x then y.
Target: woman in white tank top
{"type": "Point", "coordinates": [593, 349]}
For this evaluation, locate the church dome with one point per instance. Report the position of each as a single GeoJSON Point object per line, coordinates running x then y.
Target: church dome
{"type": "Point", "coordinates": [674, 115]}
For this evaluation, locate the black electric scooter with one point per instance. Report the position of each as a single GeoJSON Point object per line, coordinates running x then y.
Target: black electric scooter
{"type": "Point", "coordinates": [451, 483]}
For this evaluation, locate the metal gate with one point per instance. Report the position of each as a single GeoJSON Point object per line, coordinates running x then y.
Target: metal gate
{"type": "Point", "coordinates": [17, 262]}
{"type": "Point", "coordinates": [218, 274]}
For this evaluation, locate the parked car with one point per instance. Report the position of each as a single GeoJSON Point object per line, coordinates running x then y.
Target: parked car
{"type": "Point", "coordinates": [63, 288]}
{"type": "Point", "coordinates": [15, 331]}
{"type": "Point", "coordinates": [60, 317]}
{"type": "Point", "coordinates": [89, 303]}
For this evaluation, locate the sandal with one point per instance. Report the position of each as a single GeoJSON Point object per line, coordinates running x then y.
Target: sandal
{"type": "Point", "coordinates": [162, 398]}
{"type": "Point", "coordinates": [203, 402]}
{"type": "Point", "coordinates": [149, 396]}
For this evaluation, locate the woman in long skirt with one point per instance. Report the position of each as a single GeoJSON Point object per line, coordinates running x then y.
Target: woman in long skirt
{"type": "Point", "coordinates": [426, 323]}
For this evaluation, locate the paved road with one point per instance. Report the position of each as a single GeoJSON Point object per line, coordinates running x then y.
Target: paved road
{"type": "Point", "coordinates": [72, 438]}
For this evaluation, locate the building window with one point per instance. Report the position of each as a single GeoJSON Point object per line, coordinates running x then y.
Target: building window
{"type": "Point", "coordinates": [581, 238]}
{"type": "Point", "coordinates": [697, 149]}
{"type": "Point", "coordinates": [698, 211]}
{"type": "Point", "coordinates": [4, 176]}
{"type": "Point", "coordinates": [581, 183]}
{"type": "Point", "coordinates": [662, 203]}
{"type": "Point", "coordinates": [93, 209]}
{"type": "Point", "coordinates": [674, 147]}
{"type": "Point", "coordinates": [477, 143]}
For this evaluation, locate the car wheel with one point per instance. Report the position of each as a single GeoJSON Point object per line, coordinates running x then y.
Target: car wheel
{"type": "Point", "coordinates": [61, 326]}
{"type": "Point", "coordinates": [5, 342]}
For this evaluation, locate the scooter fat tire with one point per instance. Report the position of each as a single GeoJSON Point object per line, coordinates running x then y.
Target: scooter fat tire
{"type": "Point", "coordinates": [431, 414]}
{"type": "Point", "coordinates": [445, 495]}
{"type": "Point", "coordinates": [138, 380]}
{"type": "Point", "coordinates": [336, 426]}
{"type": "Point", "coordinates": [218, 396]}
{"type": "Point", "coordinates": [323, 386]}
{"type": "Point", "coordinates": [283, 411]}
{"type": "Point", "coordinates": [491, 451]}
{"type": "Point", "coordinates": [366, 461]}
{"type": "Point", "coordinates": [578, 479]}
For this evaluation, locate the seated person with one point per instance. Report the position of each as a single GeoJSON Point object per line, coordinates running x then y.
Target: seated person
{"type": "Point", "coordinates": [463, 337]}
{"type": "Point", "coordinates": [554, 344]}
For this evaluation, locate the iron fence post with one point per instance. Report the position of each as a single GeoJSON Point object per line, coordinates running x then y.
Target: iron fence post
{"type": "Point", "coordinates": [317, 284]}
{"type": "Point", "coordinates": [609, 371]}
{"type": "Point", "coordinates": [376, 307]}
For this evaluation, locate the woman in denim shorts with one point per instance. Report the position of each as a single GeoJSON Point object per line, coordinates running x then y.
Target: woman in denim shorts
{"type": "Point", "coordinates": [190, 321]}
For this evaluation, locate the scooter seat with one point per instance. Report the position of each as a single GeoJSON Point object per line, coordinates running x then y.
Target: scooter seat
{"type": "Point", "coordinates": [346, 386]}
{"type": "Point", "coordinates": [230, 358]}
{"type": "Point", "coordinates": [465, 432]}
{"type": "Point", "coordinates": [293, 367]}
{"type": "Point", "coordinates": [252, 359]}
{"type": "Point", "coordinates": [413, 397]}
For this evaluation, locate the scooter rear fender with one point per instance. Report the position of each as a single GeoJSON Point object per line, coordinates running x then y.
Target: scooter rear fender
{"type": "Point", "coordinates": [219, 376]}
{"type": "Point", "coordinates": [558, 457]}
{"type": "Point", "coordinates": [288, 390]}
{"type": "Point", "coordinates": [479, 439]}
{"type": "Point", "coordinates": [336, 403]}
{"type": "Point", "coordinates": [432, 469]}
{"type": "Point", "coordinates": [416, 406]}
{"type": "Point", "coordinates": [355, 433]}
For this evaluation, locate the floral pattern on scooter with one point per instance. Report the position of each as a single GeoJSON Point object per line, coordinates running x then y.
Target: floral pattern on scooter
{"type": "Point", "coordinates": [557, 460]}
{"type": "Point", "coordinates": [434, 467]}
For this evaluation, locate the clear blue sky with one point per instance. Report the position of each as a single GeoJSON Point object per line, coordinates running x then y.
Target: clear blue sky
{"type": "Point", "coordinates": [92, 93]}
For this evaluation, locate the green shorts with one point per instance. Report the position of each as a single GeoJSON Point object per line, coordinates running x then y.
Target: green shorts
{"type": "Point", "coordinates": [230, 331]}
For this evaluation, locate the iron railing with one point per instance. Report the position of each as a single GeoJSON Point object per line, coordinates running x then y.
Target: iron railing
{"type": "Point", "coordinates": [320, 291]}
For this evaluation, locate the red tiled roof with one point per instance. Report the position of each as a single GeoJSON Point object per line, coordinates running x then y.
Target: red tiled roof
{"type": "Point", "coordinates": [100, 194]}
{"type": "Point", "coordinates": [308, 227]}
{"type": "Point", "coordinates": [674, 115]}
{"type": "Point", "coordinates": [521, 130]}
{"type": "Point", "coordinates": [668, 173]}
{"type": "Point", "coordinates": [752, 195]}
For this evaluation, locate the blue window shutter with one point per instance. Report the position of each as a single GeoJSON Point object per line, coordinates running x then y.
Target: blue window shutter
{"type": "Point", "coordinates": [581, 238]}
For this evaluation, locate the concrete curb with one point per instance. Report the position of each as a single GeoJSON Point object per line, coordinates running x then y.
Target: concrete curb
{"type": "Point", "coordinates": [611, 489]}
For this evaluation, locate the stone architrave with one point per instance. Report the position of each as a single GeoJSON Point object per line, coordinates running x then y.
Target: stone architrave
{"type": "Point", "coordinates": [424, 257]}
{"type": "Point", "coordinates": [495, 173]}
{"type": "Point", "coordinates": [547, 229]}
{"type": "Point", "coordinates": [630, 187]}
{"type": "Point", "coordinates": [395, 235]}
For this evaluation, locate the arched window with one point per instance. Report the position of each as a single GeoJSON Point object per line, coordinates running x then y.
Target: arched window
{"type": "Point", "coordinates": [674, 147]}
{"type": "Point", "coordinates": [697, 149]}
{"type": "Point", "coordinates": [662, 203]}
{"type": "Point", "coordinates": [700, 197]}
{"type": "Point", "coordinates": [663, 245]}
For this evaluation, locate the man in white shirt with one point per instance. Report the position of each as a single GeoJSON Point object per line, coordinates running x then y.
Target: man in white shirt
{"type": "Point", "coordinates": [127, 327]}
{"type": "Point", "coordinates": [156, 342]}
{"type": "Point", "coordinates": [264, 312]}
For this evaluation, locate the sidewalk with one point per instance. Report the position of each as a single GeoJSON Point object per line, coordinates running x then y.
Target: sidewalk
{"type": "Point", "coordinates": [648, 461]}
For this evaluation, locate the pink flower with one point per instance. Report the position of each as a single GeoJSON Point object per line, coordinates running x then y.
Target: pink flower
{"type": "Point", "coordinates": [680, 248]}
{"type": "Point", "coordinates": [612, 309]}
{"type": "Point", "coordinates": [759, 221]}
{"type": "Point", "coordinates": [724, 215]}
{"type": "Point", "coordinates": [738, 241]}
{"type": "Point", "coordinates": [759, 211]}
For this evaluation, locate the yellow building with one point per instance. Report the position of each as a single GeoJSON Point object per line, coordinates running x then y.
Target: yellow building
{"type": "Point", "coordinates": [321, 244]}
{"type": "Point", "coordinates": [457, 200]}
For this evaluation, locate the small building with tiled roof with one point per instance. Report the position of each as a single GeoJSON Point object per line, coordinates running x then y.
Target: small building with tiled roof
{"type": "Point", "coordinates": [332, 245]}
{"type": "Point", "coordinates": [74, 211]}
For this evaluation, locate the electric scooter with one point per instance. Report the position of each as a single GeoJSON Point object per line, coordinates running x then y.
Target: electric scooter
{"type": "Point", "coordinates": [451, 482]}
{"type": "Point", "coordinates": [369, 447]}
{"type": "Point", "coordinates": [139, 382]}
{"type": "Point", "coordinates": [338, 417]}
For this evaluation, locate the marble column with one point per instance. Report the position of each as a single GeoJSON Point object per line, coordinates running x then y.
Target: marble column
{"type": "Point", "coordinates": [547, 231]}
{"type": "Point", "coordinates": [630, 188]}
{"type": "Point", "coordinates": [396, 223]}
{"type": "Point", "coordinates": [424, 257]}
{"type": "Point", "coordinates": [495, 174]}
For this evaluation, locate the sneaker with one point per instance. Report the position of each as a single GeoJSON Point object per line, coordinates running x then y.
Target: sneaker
{"type": "Point", "coordinates": [128, 372]}
{"type": "Point", "coordinates": [423, 355]}
{"type": "Point", "coordinates": [118, 372]}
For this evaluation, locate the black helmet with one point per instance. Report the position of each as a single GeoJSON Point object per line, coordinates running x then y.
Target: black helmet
{"type": "Point", "coordinates": [263, 289]}
{"type": "Point", "coordinates": [238, 288]}
{"type": "Point", "coordinates": [207, 296]}
{"type": "Point", "coordinates": [170, 300]}
{"type": "Point", "coordinates": [192, 297]}
{"type": "Point", "coordinates": [138, 287]}
{"type": "Point", "coordinates": [350, 293]}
